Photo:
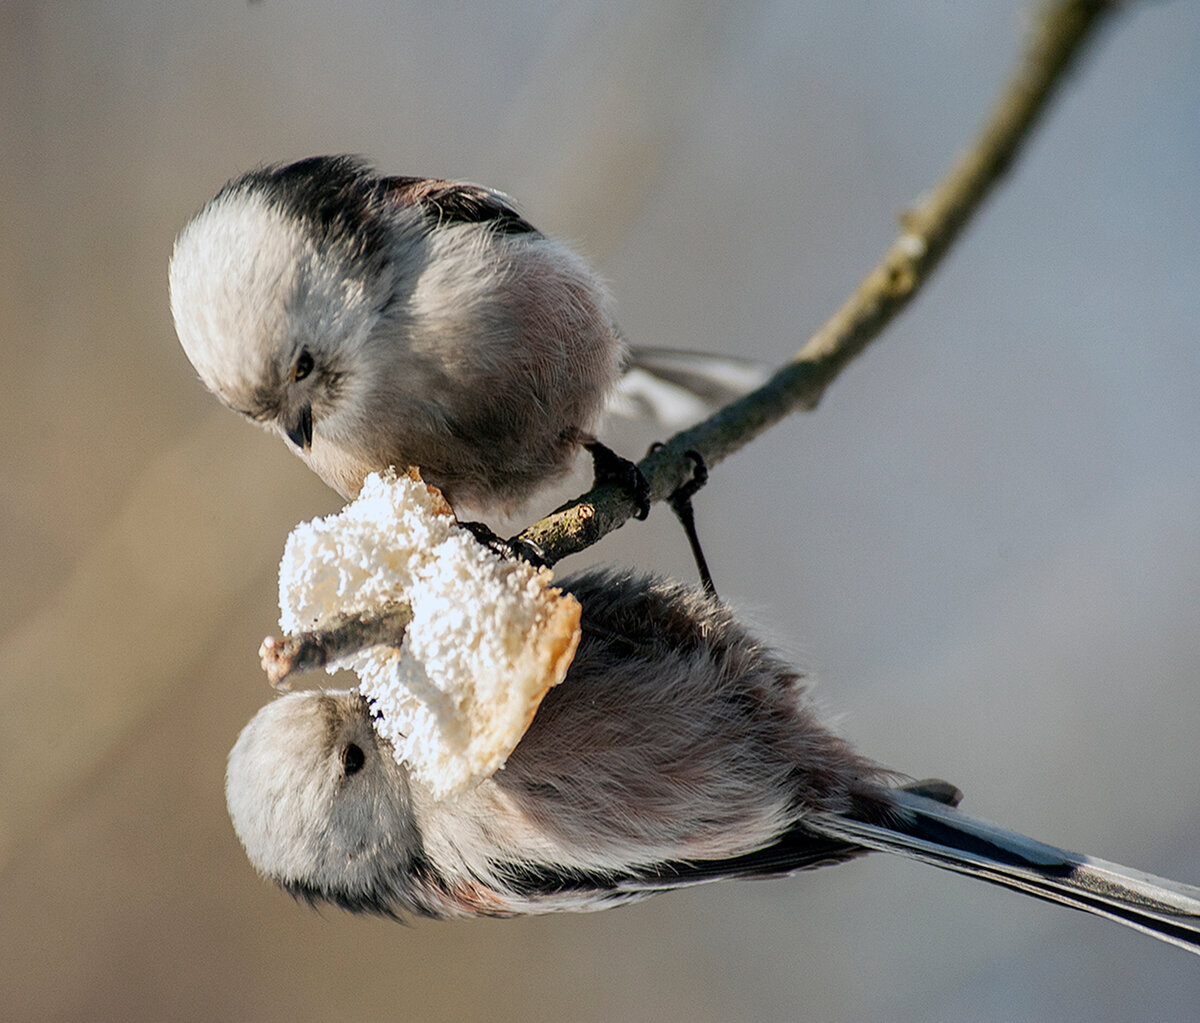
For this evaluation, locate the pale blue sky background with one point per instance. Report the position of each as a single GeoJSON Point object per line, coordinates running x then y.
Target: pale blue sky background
{"type": "Point", "coordinates": [985, 543]}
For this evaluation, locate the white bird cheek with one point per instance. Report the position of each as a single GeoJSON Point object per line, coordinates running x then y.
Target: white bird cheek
{"type": "Point", "coordinates": [231, 271]}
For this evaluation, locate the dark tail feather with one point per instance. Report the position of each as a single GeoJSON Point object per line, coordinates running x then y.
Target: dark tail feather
{"type": "Point", "coordinates": [676, 389]}
{"type": "Point", "coordinates": [932, 832]}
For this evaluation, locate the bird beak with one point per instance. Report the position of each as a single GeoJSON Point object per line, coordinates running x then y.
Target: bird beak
{"type": "Point", "coordinates": [300, 430]}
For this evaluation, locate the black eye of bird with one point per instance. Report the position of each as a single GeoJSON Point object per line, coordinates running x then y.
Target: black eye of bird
{"type": "Point", "coordinates": [304, 366]}
{"type": "Point", "coordinates": [353, 759]}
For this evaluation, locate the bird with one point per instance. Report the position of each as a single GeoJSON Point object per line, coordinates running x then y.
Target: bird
{"type": "Point", "coordinates": [375, 322]}
{"type": "Point", "coordinates": [679, 749]}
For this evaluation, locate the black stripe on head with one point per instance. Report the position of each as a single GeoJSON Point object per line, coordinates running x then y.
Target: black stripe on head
{"type": "Point", "coordinates": [395, 892]}
{"type": "Point", "coordinates": [338, 200]}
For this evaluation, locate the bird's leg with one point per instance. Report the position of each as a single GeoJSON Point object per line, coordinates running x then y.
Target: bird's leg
{"type": "Point", "coordinates": [611, 468]}
{"type": "Point", "coordinates": [526, 550]}
{"type": "Point", "coordinates": [681, 505]}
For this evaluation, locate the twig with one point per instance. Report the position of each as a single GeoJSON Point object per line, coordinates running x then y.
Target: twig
{"type": "Point", "coordinates": [1057, 39]}
{"type": "Point", "coordinates": [340, 637]}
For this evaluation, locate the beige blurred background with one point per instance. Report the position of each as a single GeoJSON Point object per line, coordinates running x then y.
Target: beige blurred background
{"type": "Point", "coordinates": [985, 543]}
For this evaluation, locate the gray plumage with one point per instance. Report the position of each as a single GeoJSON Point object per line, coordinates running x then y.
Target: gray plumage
{"type": "Point", "coordinates": [678, 750]}
{"type": "Point", "coordinates": [396, 321]}
{"type": "Point", "coordinates": [383, 322]}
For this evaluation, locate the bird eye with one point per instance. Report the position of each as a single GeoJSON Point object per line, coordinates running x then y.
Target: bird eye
{"type": "Point", "coordinates": [353, 759]}
{"type": "Point", "coordinates": [303, 366]}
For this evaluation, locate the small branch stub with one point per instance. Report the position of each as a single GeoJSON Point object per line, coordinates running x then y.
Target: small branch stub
{"type": "Point", "coordinates": [342, 636]}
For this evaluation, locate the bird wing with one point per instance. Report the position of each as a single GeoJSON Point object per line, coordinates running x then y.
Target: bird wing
{"type": "Point", "coordinates": [456, 202]}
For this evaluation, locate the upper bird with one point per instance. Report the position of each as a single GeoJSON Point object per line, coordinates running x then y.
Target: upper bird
{"type": "Point", "coordinates": [395, 321]}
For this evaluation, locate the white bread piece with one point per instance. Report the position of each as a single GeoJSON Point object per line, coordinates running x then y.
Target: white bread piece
{"type": "Point", "coordinates": [488, 638]}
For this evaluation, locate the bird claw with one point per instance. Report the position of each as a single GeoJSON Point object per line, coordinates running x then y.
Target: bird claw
{"type": "Point", "coordinates": [611, 468]}
{"type": "Point", "coordinates": [514, 549]}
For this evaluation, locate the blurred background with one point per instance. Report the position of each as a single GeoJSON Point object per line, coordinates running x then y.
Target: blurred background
{"type": "Point", "coordinates": [985, 543]}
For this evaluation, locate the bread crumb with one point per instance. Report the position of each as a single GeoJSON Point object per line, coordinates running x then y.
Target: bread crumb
{"type": "Point", "coordinates": [488, 638]}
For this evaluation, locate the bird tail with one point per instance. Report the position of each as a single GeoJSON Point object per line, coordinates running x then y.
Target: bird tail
{"type": "Point", "coordinates": [930, 831]}
{"type": "Point", "coordinates": [676, 388]}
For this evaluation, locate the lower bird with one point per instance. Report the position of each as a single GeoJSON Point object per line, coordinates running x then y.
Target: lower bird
{"type": "Point", "coordinates": [678, 750]}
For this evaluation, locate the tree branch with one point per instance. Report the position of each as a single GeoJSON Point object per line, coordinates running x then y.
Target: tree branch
{"type": "Point", "coordinates": [928, 231]}
{"type": "Point", "coordinates": [1056, 41]}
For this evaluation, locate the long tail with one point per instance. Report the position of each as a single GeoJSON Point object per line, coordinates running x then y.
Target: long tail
{"type": "Point", "coordinates": [676, 388]}
{"type": "Point", "coordinates": [929, 831]}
